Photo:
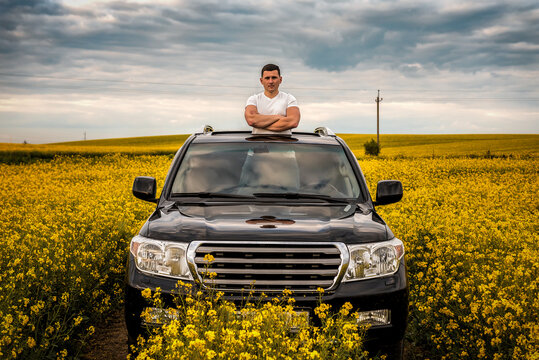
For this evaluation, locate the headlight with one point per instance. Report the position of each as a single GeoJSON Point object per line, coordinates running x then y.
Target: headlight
{"type": "Point", "coordinates": [374, 260]}
{"type": "Point", "coordinates": [164, 258]}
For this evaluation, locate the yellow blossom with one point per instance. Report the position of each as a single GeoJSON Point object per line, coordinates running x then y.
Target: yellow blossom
{"type": "Point", "coordinates": [146, 293]}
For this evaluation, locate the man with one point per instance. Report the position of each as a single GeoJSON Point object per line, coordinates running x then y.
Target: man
{"type": "Point", "coordinates": [272, 111]}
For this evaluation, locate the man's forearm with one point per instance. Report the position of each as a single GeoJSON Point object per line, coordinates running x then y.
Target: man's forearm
{"type": "Point", "coordinates": [257, 120]}
{"type": "Point", "coordinates": [284, 123]}
{"type": "Point", "coordinates": [262, 121]}
{"type": "Point", "coordinates": [290, 121]}
{"type": "Point", "coordinates": [272, 122]}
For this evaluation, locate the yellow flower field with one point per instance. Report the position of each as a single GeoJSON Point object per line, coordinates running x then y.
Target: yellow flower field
{"type": "Point", "coordinates": [66, 225]}
{"type": "Point", "coordinates": [471, 231]}
{"type": "Point", "coordinates": [470, 228]}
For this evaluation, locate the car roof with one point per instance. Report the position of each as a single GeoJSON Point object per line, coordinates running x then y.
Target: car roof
{"type": "Point", "coordinates": [247, 136]}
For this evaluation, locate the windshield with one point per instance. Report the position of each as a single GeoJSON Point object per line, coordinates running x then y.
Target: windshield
{"type": "Point", "coordinates": [266, 168]}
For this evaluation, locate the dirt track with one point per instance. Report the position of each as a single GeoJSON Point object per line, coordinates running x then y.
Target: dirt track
{"type": "Point", "coordinates": [109, 341]}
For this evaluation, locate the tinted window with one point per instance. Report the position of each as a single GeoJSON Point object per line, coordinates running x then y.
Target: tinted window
{"type": "Point", "coordinates": [247, 168]}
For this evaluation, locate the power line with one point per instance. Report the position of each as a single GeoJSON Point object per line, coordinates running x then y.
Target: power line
{"type": "Point", "coordinates": [122, 81]}
{"type": "Point", "coordinates": [91, 89]}
{"type": "Point", "coordinates": [232, 86]}
{"type": "Point", "coordinates": [466, 98]}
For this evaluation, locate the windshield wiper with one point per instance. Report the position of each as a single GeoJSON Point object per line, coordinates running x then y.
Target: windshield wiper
{"type": "Point", "coordinates": [291, 195]}
{"type": "Point", "coordinates": [206, 194]}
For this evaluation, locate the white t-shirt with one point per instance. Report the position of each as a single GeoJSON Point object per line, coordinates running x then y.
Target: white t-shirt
{"type": "Point", "coordinates": [273, 106]}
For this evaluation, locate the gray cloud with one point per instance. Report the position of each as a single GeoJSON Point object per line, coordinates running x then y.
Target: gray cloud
{"type": "Point", "coordinates": [428, 35]}
{"type": "Point", "coordinates": [325, 36]}
{"type": "Point", "coordinates": [114, 51]}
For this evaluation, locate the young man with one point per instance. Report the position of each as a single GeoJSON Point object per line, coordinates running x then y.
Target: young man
{"type": "Point", "coordinates": [272, 111]}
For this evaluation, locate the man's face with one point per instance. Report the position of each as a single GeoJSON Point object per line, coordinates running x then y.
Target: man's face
{"type": "Point", "coordinates": [271, 81]}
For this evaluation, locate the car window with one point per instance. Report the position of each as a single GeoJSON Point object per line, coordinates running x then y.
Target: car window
{"type": "Point", "coordinates": [248, 168]}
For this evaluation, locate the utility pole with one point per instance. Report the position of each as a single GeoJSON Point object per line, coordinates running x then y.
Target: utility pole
{"type": "Point", "coordinates": [85, 136]}
{"type": "Point", "coordinates": [378, 100]}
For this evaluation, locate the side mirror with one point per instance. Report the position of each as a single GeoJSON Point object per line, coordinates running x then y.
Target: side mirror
{"type": "Point", "coordinates": [144, 188]}
{"type": "Point", "coordinates": [388, 192]}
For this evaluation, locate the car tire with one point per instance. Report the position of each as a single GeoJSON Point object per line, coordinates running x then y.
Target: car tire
{"type": "Point", "coordinates": [394, 351]}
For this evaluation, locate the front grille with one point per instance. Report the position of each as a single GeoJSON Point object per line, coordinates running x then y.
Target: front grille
{"type": "Point", "coordinates": [269, 266]}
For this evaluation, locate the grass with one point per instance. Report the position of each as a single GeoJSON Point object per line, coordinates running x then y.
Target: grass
{"type": "Point", "coordinates": [392, 146]}
{"type": "Point", "coordinates": [148, 145]}
{"type": "Point", "coordinates": [447, 145]}
{"type": "Point", "coordinates": [164, 141]}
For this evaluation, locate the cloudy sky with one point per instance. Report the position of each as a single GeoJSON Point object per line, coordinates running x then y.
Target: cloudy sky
{"type": "Point", "coordinates": [135, 68]}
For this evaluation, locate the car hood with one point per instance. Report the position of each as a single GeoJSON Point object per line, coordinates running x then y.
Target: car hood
{"type": "Point", "coordinates": [255, 222]}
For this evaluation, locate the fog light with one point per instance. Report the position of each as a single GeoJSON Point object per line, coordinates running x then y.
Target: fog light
{"type": "Point", "coordinates": [374, 317]}
{"type": "Point", "coordinates": [157, 316]}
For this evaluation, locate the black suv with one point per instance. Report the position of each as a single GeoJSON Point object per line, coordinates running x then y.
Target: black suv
{"type": "Point", "coordinates": [276, 212]}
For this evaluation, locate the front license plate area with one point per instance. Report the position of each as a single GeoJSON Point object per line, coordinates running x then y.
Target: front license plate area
{"type": "Point", "coordinates": [295, 321]}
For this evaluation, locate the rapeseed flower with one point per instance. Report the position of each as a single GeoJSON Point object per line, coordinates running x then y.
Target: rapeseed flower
{"type": "Point", "coordinates": [469, 227]}
{"type": "Point", "coordinates": [257, 330]}
{"type": "Point", "coordinates": [70, 220]}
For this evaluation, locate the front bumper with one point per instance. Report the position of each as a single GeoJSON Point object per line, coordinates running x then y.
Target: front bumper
{"type": "Point", "coordinates": [390, 292]}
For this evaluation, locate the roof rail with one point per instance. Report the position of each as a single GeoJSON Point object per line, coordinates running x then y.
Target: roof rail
{"type": "Point", "coordinates": [208, 130]}
{"type": "Point", "coordinates": [324, 131]}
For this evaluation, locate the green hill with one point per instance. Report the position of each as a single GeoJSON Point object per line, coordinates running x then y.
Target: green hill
{"type": "Point", "coordinates": [392, 146]}
{"type": "Point", "coordinates": [142, 141]}
{"type": "Point", "coordinates": [448, 145]}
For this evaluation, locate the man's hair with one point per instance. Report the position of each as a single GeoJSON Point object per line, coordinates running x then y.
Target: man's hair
{"type": "Point", "coordinates": [270, 67]}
